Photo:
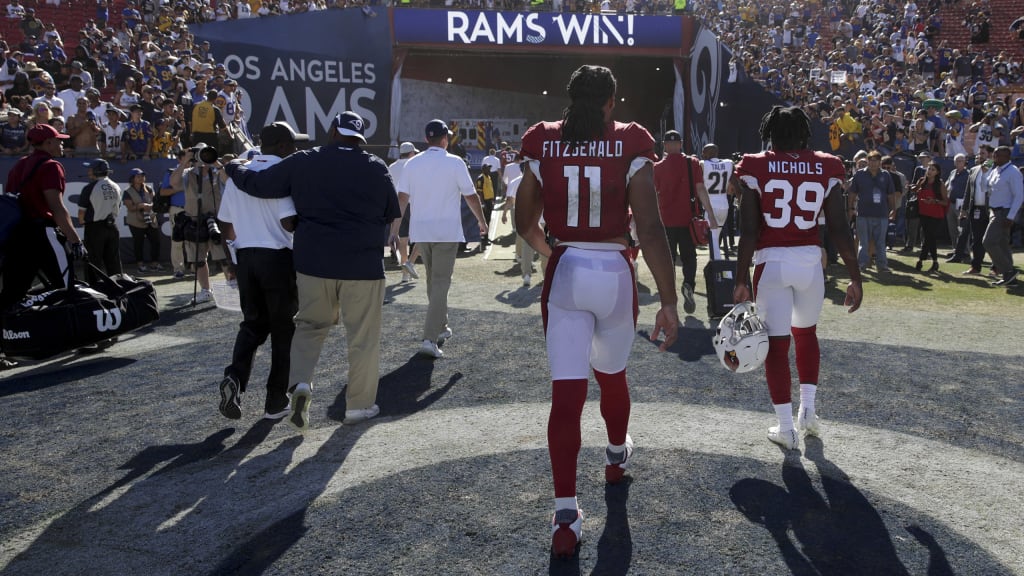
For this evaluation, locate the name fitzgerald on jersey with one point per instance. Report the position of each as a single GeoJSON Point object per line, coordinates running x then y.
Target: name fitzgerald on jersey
{"type": "Point", "coordinates": [785, 167]}
{"type": "Point", "coordinates": [597, 149]}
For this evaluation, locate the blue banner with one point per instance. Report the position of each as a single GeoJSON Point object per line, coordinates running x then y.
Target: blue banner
{"type": "Point", "coordinates": [535, 29]}
{"type": "Point", "coordinates": [305, 68]}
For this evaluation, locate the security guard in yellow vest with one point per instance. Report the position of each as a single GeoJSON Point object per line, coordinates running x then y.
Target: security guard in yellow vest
{"type": "Point", "coordinates": [207, 120]}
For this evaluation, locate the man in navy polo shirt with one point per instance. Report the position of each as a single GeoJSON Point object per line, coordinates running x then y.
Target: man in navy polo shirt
{"type": "Point", "coordinates": [339, 257]}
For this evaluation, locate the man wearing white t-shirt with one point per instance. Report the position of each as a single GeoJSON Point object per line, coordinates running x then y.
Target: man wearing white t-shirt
{"type": "Point", "coordinates": [260, 232]}
{"type": "Point", "coordinates": [406, 257]}
{"type": "Point", "coordinates": [523, 249]}
{"type": "Point", "coordinates": [433, 184]}
{"type": "Point", "coordinates": [716, 180]}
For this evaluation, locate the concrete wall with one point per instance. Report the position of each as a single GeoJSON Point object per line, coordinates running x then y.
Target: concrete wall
{"type": "Point", "coordinates": [423, 101]}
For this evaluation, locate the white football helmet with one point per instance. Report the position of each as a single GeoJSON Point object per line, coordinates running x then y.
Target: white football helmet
{"type": "Point", "coordinates": [741, 341]}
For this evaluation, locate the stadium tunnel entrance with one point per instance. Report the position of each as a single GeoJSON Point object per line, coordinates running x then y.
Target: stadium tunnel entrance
{"type": "Point", "coordinates": [522, 87]}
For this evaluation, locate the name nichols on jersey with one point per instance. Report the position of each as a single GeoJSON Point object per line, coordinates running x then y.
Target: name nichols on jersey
{"type": "Point", "coordinates": [777, 167]}
{"type": "Point", "coordinates": [597, 149]}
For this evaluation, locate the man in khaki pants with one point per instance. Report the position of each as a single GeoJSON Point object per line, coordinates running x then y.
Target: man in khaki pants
{"type": "Point", "coordinates": [433, 183]}
{"type": "Point", "coordinates": [339, 257]}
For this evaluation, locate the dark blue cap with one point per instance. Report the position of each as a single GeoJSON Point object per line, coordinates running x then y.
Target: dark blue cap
{"type": "Point", "coordinates": [437, 128]}
{"type": "Point", "coordinates": [99, 167]}
{"type": "Point", "coordinates": [349, 123]}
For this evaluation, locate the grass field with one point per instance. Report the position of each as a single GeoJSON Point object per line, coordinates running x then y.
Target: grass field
{"type": "Point", "coordinates": [946, 290]}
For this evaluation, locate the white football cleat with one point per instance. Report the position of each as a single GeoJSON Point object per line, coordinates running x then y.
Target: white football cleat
{"type": "Point", "coordinates": [788, 439]}
{"type": "Point", "coordinates": [810, 426]}
{"type": "Point", "coordinates": [566, 532]}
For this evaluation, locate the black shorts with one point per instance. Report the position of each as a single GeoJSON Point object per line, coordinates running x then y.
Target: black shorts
{"type": "Point", "coordinates": [403, 228]}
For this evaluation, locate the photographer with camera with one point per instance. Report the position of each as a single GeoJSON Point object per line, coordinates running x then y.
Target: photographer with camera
{"type": "Point", "coordinates": [142, 221]}
{"type": "Point", "coordinates": [197, 226]}
{"type": "Point", "coordinates": [98, 209]}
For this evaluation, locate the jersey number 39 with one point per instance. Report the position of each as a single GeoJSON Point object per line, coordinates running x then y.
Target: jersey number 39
{"type": "Point", "coordinates": [803, 213]}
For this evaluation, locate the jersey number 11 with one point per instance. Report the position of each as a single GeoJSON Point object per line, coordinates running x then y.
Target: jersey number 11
{"type": "Point", "coordinates": [593, 176]}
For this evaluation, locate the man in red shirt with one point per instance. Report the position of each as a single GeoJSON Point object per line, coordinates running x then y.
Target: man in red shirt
{"type": "Point", "coordinates": [585, 173]}
{"type": "Point", "coordinates": [784, 192]}
{"type": "Point", "coordinates": [679, 180]}
{"type": "Point", "coordinates": [45, 223]}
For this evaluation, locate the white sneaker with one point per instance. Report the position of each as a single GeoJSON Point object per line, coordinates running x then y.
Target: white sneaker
{"type": "Point", "coordinates": [406, 277]}
{"type": "Point", "coordinates": [429, 348]}
{"type": "Point", "coordinates": [446, 335]}
{"type": "Point", "coordinates": [526, 280]}
{"type": "Point", "coordinates": [204, 295]}
{"type": "Point", "coordinates": [411, 269]}
{"type": "Point", "coordinates": [788, 439]}
{"type": "Point", "coordinates": [617, 462]}
{"type": "Point", "coordinates": [357, 416]}
{"type": "Point", "coordinates": [810, 426]}
{"type": "Point", "coordinates": [302, 396]}
{"type": "Point", "coordinates": [566, 532]}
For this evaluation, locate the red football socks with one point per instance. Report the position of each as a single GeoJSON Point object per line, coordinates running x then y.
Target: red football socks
{"type": "Point", "coordinates": [614, 405]}
{"type": "Point", "coordinates": [808, 355]}
{"type": "Point", "coordinates": [776, 370]}
{"type": "Point", "coordinates": [567, 399]}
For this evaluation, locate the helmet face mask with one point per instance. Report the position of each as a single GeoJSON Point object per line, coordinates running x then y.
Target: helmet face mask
{"type": "Point", "coordinates": [741, 341]}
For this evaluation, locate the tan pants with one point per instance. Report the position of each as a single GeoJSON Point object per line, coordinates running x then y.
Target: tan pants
{"type": "Point", "coordinates": [359, 303]}
{"type": "Point", "coordinates": [439, 261]}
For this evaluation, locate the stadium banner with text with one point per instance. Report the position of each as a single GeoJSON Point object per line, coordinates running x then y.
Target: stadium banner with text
{"type": "Point", "coordinates": [305, 68]}
{"type": "Point", "coordinates": [472, 28]}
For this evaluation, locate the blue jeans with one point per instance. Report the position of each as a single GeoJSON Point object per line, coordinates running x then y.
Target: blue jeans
{"type": "Point", "coordinates": [869, 229]}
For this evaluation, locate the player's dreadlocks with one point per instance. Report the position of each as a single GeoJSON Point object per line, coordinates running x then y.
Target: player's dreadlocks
{"type": "Point", "coordinates": [786, 128]}
{"type": "Point", "coordinates": [589, 87]}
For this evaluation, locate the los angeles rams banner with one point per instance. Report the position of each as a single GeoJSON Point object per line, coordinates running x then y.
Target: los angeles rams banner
{"type": "Point", "coordinates": [305, 68]}
{"type": "Point", "coordinates": [458, 28]}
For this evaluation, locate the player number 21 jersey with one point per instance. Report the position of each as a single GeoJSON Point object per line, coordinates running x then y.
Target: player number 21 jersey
{"type": "Point", "coordinates": [792, 187]}
{"type": "Point", "coordinates": [716, 175]}
{"type": "Point", "coordinates": [584, 186]}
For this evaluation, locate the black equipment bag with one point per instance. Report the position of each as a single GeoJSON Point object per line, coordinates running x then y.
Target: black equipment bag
{"type": "Point", "coordinates": [48, 323]}
{"type": "Point", "coordinates": [719, 280]}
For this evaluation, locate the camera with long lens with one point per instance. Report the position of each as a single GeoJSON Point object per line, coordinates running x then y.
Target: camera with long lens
{"type": "Point", "coordinates": [204, 154]}
{"type": "Point", "coordinates": [213, 229]}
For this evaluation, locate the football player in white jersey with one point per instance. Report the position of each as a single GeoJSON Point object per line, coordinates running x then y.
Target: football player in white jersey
{"type": "Point", "coordinates": [717, 174]}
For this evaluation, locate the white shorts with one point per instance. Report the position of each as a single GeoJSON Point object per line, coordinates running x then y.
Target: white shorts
{"type": "Point", "coordinates": [788, 295]}
{"type": "Point", "coordinates": [590, 307]}
{"type": "Point", "coordinates": [720, 205]}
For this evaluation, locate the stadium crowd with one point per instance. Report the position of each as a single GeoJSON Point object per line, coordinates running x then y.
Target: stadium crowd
{"type": "Point", "coordinates": [878, 75]}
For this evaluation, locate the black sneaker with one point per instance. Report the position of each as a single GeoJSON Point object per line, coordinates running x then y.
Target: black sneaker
{"type": "Point", "coordinates": [230, 398]}
{"type": "Point", "coordinates": [7, 364]}
{"type": "Point", "coordinates": [689, 304]}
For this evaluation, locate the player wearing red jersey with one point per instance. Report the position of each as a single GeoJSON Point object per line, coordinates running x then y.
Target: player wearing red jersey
{"type": "Point", "coordinates": [784, 191]}
{"type": "Point", "coordinates": [585, 174]}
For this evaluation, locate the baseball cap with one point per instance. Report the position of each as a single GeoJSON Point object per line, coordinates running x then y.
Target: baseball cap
{"type": "Point", "coordinates": [924, 154]}
{"type": "Point", "coordinates": [135, 172]}
{"type": "Point", "coordinates": [278, 132]}
{"type": "Point", "coordinates": [99, 167]}
{"type": "Point", "coordinates": [407, 147]}
{"type": "Point", "coordinates": [40, 133]}
{"type": "Point", "coordinates": [349, 123]}
{"type": "Point", "coordinates": [673, 136]}
{"type": "Point", "coordinates": [14, 111]}
{"type": "Point", "coordinates": [437, 128]}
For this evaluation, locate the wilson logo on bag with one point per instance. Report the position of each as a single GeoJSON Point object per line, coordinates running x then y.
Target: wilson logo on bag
{"type": "Point", "coordinates": [107, 320]}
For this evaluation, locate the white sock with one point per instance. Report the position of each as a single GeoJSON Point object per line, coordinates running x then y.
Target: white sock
{"type": "Point", "coordinates": [807, 393]}
{"type": "Point", "coordinates": [785, 415]}
{"type": "Point", "coordinates": [566, 504]}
